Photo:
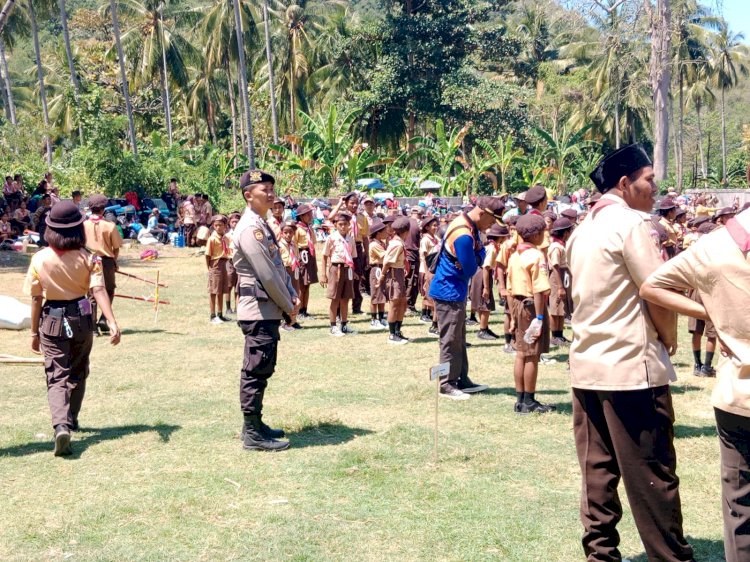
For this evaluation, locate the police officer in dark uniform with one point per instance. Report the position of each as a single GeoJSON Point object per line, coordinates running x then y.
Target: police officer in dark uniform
{"type": "Point", "coordinates": [265, 292]}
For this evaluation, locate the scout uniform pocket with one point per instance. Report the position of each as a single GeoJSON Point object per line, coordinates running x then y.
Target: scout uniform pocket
{"type": "Point", "coordinates": [52, 323]}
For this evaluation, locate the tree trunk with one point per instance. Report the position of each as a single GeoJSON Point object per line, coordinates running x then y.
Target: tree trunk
{"type": "Point", "coordinates": [723, 140]}
{"type": "Point", "coordinates": [680, 138]}
{"type": "Point", "coordinates": [704, 172]}
{"type": "Point", "coordinates": [123, 76]}
{"type": "Point", "coordinates": [232, 109]}
{"type": "Point", "coordinates": [617, 123]}
{"type": "Point", "coordinates": [164, 81]}
{"type": "Point", "coordinates": [271, 86]}
{"type": "Point", "coordinates": [210, 121]}
{"type": "Point", "coordinates": [6, 84]}
{"type": "Point", "coordinates": [243, 83]}
{"type": "Point", "coordinates": [40, 77]}
{"type": "Point", "coordinates": [6, 12]}
{"type": "Point", "coordinates": [69, 55]}
{"type": "Point", "coordinates": [6, 103]}
{"type": "Point", "coordinates": [661, 39]}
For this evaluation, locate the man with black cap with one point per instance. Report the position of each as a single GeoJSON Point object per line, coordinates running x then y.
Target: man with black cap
{"type": "Point", "coordinates": [265, 293]}
{"type": "Point", "coordinates": [620, 368]}
{"type": "Point", "coordinates": [460, 254]}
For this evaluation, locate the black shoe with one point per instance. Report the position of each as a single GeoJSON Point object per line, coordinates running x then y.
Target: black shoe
{"type": "Point", "coordinates": [402, 336]}
{"type": "Point", "coordinates": [223, 318]}
{"type": "Point", "coordinates": [536, 407]}
{"type": "Point", "coordinates": [708, 371]}
{"type": "Point", "coordinates": [102, 326]}
{"type": "Point", "coordinates": [472, 322]}
{"type": "Point", "coordinates": [297, 326]}
{"type": "Point", "coordinates": [73, 426]}
{"type": "Point", "coordinates": [270, 432]}
{"type": "Point", "coordinates": [697, 370]}
{"type": "Point", "coordinates": [255, 440]}
{"type": "Point", "coordinates": [357, 312]}
{"type": "Point", "coordinates": [62, 441]}
{"type": "Point", "coordinates": [517, 407]}
{"type": "Point", "coordinates": [470, 387]}
{"type": "Point", "coordinates": [485, 335]}
{"type": "Point", "coordinates": [467, 344]}
{"type": "Point", "coordinates": [424, 319]}
{"type": "Point", "coordinates": [493, 334]}
{"type": "Point", "coordinates": [433, 331]}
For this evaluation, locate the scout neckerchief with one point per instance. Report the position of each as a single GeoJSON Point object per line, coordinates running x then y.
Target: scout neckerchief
{"type": "Point", "coordinates": [559, 241]}
{"type": "Point", "coordinates": [224, 246]}
{"type": "Point", "coordinates": [310, 243]}
{"type": "Point", "coordinates": [355, 228]}
{"type": "Point", "coordinates": [348, 260]}
{"type": "Point", "coordinates": [738, 233]}
{"type": "Point", "coordinates": [523, 246]}
{"type": "Point", "coordinates": [95, 219]}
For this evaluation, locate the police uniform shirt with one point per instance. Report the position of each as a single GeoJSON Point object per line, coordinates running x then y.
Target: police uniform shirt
{"type": "Point", "coordinates": [265, 287]}
{"type": "Point", "coordinates": [64, 275]}
{"type": "Point", "coordinates": [720, 272]}
{"type": "Point", "coordinates": [615, 345]}
{"type": "Point", "coordinates": [527, 272]}
{"type": "Point", "coordinates": [102, 237]}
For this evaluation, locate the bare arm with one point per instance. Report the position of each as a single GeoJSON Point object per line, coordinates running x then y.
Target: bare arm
{"type": "Point", "coordinates": [673, 301]}
{"type": "Point", "coordinates": [665, 322]}
{"type": "Point", "coordinates": [102, 300]}
{"type": "Point", "coordinates": [487, 278]}
{"type": "Point", "coordinates": [36, 313]}
{"type": "Point", "coordinates": [539, 304]}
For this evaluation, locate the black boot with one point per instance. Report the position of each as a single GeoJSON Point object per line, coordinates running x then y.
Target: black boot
{"type": "Point", "coordinates": [102, 326]}
{"type": "Point", "coordinates": [254, 438]}
{"type": "Point", "coordinates": [265, 430]}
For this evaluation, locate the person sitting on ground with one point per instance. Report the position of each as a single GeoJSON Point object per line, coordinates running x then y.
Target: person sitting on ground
{"type": "Point", "coordinates": [154, 226]}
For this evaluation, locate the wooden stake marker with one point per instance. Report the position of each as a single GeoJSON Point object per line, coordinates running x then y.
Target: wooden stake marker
{"type": "Point", "coordinates": [436, 373]}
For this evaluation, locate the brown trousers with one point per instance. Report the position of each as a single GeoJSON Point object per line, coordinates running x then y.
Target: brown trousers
{"type": "Point", "coordinates": [412, 279]}
{"type": "Point", "coordinates": [734, 440]}
{"type": "Point", "coordinates": [629, 435]}
{"type": "Point", "coordinates": [66, 364]}
{"type": "Point", "coordinates": [451, 317]}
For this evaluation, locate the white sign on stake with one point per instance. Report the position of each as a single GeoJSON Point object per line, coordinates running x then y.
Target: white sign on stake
{"type": "Point", "coordinates": [441, 370]}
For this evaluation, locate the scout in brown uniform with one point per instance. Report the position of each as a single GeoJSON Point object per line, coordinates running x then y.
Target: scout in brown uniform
{"type": "Point", "coordinates": [668, 212]}
{"type": "Point", "coordinates": [394, 279]}
{"type": "Point", "coordinates": [217, 256]}
{"type": "Point", "coordinates": [266, 293]}
{"type": "Point", "coordinates": [717, 268]}
{"type": "Point", "coordinates": [290, 259]}
{"type": "Point", "coordinates": [528, 290]}
{"type": "Point", "coordinates": [507, 249]}
{"type": "Point", "coordinates": [305, 240]}
{"type": "Point", "coordinates": [378, 243]}
{"type": "Point", "coordinates": [62, 326]}
{"type": "Point", "coordinates": [428, 245]}
{"type": "Point", "coordinates": [339, 253]}
{"type": "Point", "coordinates": [360, 231]}
{"type": "Point", "coordinates": [723, 215]}
{"type": "Point", "coordinates": [620, 369]}
{"type": "Point", "coordinates": [558, 269]}
{"type": "Point", "coordinates": [277, 217]}
{"type": "Point", "coordinates": [104, 240]}
{"type": "Point", "coordinates": [234, 218]}
{"type": "Point", "coordinates": [481, 291]}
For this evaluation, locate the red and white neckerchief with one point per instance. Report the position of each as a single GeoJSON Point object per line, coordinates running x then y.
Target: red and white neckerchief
{"type": "Point", "coordinates": [95, 219]}
{"type": "Point", "coordinates": [293, 257]}
{"type": "Point", "coordinates": [559, 241]}
{"type": "Point", "coordinates": [523, 246]}
{"type": "Point", "coordinates": [739, 234]}
{"type": "Point", "coordinates": [344, 241]}
{"type": "Point", "coordinates": [433, 239]}
{"type": "Point", "coordinates": [355, 228]}
{"type": "Point", "coordinates": [535, 212]}
{"type": "Point", "coordinates": [310, 243]}
{"type": "Point", "coordinates": [224, 247]}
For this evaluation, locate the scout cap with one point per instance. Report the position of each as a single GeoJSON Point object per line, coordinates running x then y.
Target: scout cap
{"type": "Point", "coordinates": [491, 205]}
{"type": "Point", "coordinates": [619, 163]}
{"type": "Point", "coordinates": [530, 225]}
{"type": "Point", "coordinates": [279, 201]}
{"type": "Point", "coordinates": [512, 220]}
{"type": "Point", "coordinates": [304, 209]}
{"type": "Point", "coordinates": [390, 219]}
{"type": "Point", "coordinates": [427, 222]}
{"type": "Point", "coordinates": [549, 215]}
{"type": "Point", "coordinates": [561, 224]}
{"type": "Point", "coordinates": [253, 177]}
{"type": "Point", "coordinates": [706, 227]}
{"type": "Point", "coordinates": [520, 196]}
{"type": "Point", "coordinates": [697, 221]}
{"type": "Point", "coordinates": [367, 199]}
{"type": "Point", "coordinates": [569, 214]}
{"type": "Point", "coordinates": [64, 214]}
{"type": "Point", "coordinates": [289, 224]}
{"type": "Point", "coordinates": [535, 194]}
{"type": "Point", "coordinates": [376, 227]}
{"type": "Point", "coordinates": [724, 212]}
{"type": "Point", "coordinates": [497, 231]}
{"type": "Point", "coordinates": [666, 204]}
{"type": "Point", "coordinates": [681, 211]}
{"type": "Point", "coordinates": [401, 224]}
{"type": "Point", "coordinates": [97, 201]}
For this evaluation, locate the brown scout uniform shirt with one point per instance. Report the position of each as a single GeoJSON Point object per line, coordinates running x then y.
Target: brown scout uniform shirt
{"type": "Point", "coordinates": [527, 272]}
{"type": "Point", "coordinates": [102, 237]}
{"type": "Point", "coordinates": [615, 345]}
{"type": "Point", "coordinates": [62, 276]}
{"type": "Point", "coordinates": [720, 272]}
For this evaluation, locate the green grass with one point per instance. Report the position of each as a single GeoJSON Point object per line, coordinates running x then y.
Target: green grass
{"type": "Point", "coordinates": [159, 472]}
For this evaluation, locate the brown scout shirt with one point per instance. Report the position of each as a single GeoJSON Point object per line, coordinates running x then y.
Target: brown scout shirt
{"type": "Point", "coordinates": [615, 345]}
{"type": "Point", "coordinates": [102, 237]}
{"type": "Point", "coordinates": [62, 276]}
{"type": "Point", "coordinates": [720, 272]}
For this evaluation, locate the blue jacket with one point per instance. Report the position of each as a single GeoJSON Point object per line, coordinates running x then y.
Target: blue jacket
{"type": "Point", "coordinates": [451, 281]}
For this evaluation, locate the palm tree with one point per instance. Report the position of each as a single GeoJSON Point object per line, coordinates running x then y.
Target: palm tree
{"type": "Point", "coordinates": [203, 99]}
{"type": "Point", "coordinates": [534, 30]}
{"type": "Point", "coordinates": [15, 26]}
{"type": "Point", "coordinates": [699, 94]}
{"type": "Point", "coordinates": [243, 82]}
{"type": "Point", "coordinates": [123, 75]}
{"type": "Point", "coordinates": [69, 55]}
{"type": "Point", "coordinates": [729, 60]}
{"type": "Point", "coordinates": [271, 87]}
{"type": "Point", "coordinates": [40, 78]}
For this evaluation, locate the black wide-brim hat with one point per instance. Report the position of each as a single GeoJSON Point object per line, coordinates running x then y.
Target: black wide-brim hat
{"type": "Point", "coordinates": [619, 163]}
{"type": "Point", "coordinates": [64, 214]}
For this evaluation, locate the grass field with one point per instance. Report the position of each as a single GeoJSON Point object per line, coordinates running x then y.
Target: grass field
{"type": "Point", "coordinates": [159, 473]}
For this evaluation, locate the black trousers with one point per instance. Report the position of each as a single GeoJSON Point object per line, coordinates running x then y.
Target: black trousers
{"type": "Point", "coordinates": [451, 317]}
{"type": "Point", "coordinates": [358, 284]}
{"type": "Point", "coordinates": [629, 435]}
{"type": "Point", "coordinates": [412, 280]}
{"type": "Point", "coordinates": [259, 362]}
{"type": "Point", "coordinates": [734, 440]}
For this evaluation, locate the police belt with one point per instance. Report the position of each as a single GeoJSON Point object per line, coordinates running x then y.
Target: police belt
{"type": "Point", "coordinates": [252, 291]}
{"type": "Point", "coordinates": [69, 307]}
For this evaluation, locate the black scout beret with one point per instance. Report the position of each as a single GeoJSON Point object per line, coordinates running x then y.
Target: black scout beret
{"type": "Point", "coordinates": [619, 163]}
{"type": "Point", "coordinates": [252, 177]}
{"type": "Point", "coordinates": [535, 194]}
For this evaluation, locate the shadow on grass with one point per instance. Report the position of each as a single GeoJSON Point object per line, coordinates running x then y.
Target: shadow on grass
{"type": "Point", "coordinates": [134, 331]}
{"type": "Point", "coordinates": [706, 550]}
{"type": "Point", "coordinates": [322, 434]}
{"type": "Point", "coordinates": [686, 431]}
{"type": "Point", "coordinates": [510, 391]}
{"type": "Point", "coordinates": [86, 437]}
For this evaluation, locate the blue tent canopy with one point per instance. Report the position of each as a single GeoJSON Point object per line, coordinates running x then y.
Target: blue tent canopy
{"type": "Point", "coordinates": [370, 183]}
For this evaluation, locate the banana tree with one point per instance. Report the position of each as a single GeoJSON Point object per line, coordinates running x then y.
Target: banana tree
{"type": "Point", "coordinates": [562, 147]}
{"type": "Point", "coordinates": [504, 156]}
{"type": "Point", "coordinates": [359, 165]}
{"type": "Point", "coordinates": [444, 151]}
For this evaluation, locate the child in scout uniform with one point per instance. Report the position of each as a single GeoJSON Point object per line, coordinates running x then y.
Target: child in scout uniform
{"type": "Point", "coordinates": [104, 240]}
{"type": "Point", "coordinates": [717, 267]}
{"type": "Point", "coordinates": [305, 240]}
{"type": "Point", "coordinates": [290, 259]}
{"type": "Point", "coordinates": [234, 218]}
{"type": "Point", "coordinates": [277, 217]}
{"type": "Point", "coordinates": [507, 249]}
{"type": "Point", "coordinates": [217, 255]}
{"type": "Point", "coordinates": [723, 215]}
{"type": "Point", "coordinates": [427, 245]}
{"type": "Point", "coordinates": [62, 326]}
{"type": "Point", "coordinates": [339, 252]}
{"type": "Point", "coordinates": [528, 288]}
{"type": "Point", "coordinates": [378, 299]}
{"type": "Point", "coordinates": [394, 278]}
{"type": "Point", "coordinates": [482, 293]}
{"type": "Point", "coordinates": [558, 270]}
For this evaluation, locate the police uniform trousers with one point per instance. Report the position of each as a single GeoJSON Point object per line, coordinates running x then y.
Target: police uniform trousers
{"type": "Point", "coordinates": [359, 275]}
{"type": "Point", "coordinates": [451, 318]}
{"type": "Point", "coordinates": [261, 345]}
{"type": "Point", "coordinates": [629, 435]}
{"type": "Point", "coordinates": [66, 358]}
{"type": "Point", "coordinates": [734, 441]}
{"type": "Point", "coordinates": [412, 279]}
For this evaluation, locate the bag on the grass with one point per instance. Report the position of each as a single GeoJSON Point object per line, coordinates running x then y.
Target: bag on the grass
{"type": "Point", "coordinates": [14, 315]}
